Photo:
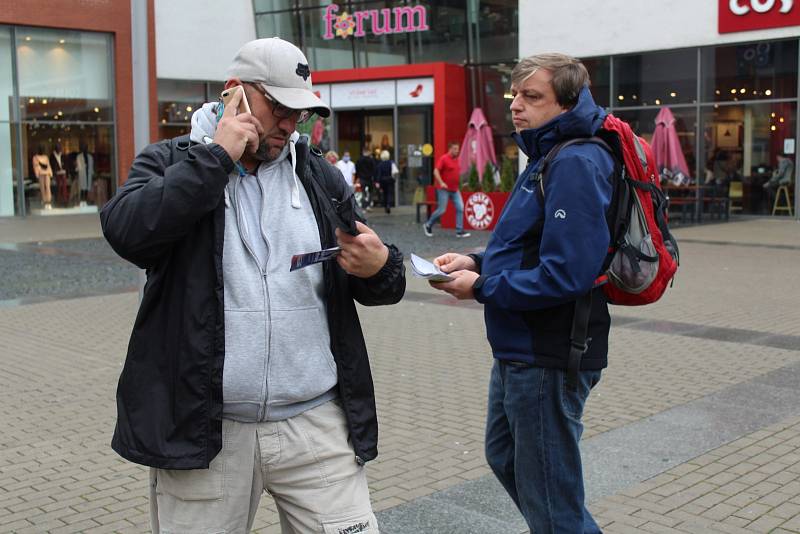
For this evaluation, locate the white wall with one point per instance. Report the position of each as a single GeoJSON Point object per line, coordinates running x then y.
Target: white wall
{"type": "Point", "coordinates": [586, 28]}
{"type": "Point", "coordinates": [197, 39]}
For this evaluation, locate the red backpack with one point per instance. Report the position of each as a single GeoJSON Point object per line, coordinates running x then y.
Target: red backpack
{"type": "Point", "coordinates": [643, 255]}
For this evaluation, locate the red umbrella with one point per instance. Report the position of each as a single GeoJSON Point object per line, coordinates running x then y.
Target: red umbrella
{"type": "Point", "coordinates": [667, 149]}
{"type": "Point", "coordinates": [478, 145]}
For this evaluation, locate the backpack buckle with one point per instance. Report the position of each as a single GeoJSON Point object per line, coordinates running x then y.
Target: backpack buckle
{"type": "Point", "coordinates": [582, 347]}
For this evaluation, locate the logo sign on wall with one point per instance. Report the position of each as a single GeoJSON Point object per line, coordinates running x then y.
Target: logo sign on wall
{"type": "Point", "coordinates": [415, 91]}
{"type": "Point", "coordinates": [479, 211]}
{"type": "Point", "coordinates": [745, 15]}
{"type": "Point", "coordinates": [362, 95]}
{"type": "Point", "coordinates": [405, 19]}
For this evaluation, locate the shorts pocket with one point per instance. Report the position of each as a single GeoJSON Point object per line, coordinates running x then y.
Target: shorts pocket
{"type": "Point", "coordinates": [325, 431]}
{"type": "Point", "coordinates": [196, 484]}
{"type": "Point", "coordinates": [192, 484]}
{"type": "Point", "coordinates": [363, 523]}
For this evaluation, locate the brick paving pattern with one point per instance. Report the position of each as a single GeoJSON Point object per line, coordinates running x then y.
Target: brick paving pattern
{"type": "Point", "coordinates": [749, 485]}
{"type": "Point", "coordinates": [61, 360]}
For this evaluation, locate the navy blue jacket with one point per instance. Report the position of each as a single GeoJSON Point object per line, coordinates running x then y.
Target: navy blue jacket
{"type": "Point", "coordinates": [543, 255]}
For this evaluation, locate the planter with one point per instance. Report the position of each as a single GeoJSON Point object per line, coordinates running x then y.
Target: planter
{"type": "Point", "coordinates": [481, 210]}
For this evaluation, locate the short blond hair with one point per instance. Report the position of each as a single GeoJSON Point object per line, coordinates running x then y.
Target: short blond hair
{"type": "Point", "coordinates": [569, 75]}
{"type": "Point", "coordinates": [385, 155]}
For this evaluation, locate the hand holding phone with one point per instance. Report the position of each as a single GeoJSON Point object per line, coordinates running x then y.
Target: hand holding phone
{"type": "Point", "coordinates": [235, 132]}
{"type": "Point", "coordinates": [229, 94]}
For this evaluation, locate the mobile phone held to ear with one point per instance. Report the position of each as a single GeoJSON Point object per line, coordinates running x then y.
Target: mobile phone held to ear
{"type": "Point", "coordinates": [228, 94]}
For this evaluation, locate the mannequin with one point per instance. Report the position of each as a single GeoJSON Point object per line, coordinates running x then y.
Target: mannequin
{"type": "Point", "coordinates": [84, 169]}
{"type": "Point", "coordinates": [58, 162]}
{"type": "Point", "coordinates": [43, 172]}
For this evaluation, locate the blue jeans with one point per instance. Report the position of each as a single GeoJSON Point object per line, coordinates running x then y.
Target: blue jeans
{"type": "Point", "coordinates": [532, 433]}
{"type": "Point", "coordinates": [442, 195]}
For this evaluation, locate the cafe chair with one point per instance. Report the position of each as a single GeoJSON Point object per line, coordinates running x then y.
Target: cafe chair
{"type": "Point", "coordinates": [782, 201]}
{"type": "Point", "coordinates": [735, 197]}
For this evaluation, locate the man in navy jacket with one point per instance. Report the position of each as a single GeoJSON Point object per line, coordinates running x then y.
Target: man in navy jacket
{"type": "Point", "coordinates": [545, 252]}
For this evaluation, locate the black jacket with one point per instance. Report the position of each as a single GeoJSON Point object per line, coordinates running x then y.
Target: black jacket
{"type": "Point", "coordinates": [168, 218]}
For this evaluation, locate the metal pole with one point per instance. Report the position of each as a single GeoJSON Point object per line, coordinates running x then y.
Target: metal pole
{"type": "Point", "coordinates": [141, 88]}
{"type": "Point", "coordinates": [699, 138]}
{"type": "Point", "coordinates": [16, 123]}
{"type": "Point", "coordinates": [796, 139]}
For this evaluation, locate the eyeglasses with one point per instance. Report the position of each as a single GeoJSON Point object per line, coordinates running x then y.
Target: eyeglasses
{"type": "Point", "coordinates": [281, 112]}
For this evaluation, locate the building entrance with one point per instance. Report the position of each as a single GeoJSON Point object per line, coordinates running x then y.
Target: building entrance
{"type": "Point", "coordinates": [404, 132]}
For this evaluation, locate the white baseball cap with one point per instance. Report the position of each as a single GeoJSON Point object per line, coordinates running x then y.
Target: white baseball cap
{"type": "Point", "coordinates": [281, 69]}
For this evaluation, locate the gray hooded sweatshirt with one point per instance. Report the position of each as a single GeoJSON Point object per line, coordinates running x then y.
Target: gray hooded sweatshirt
{"type": "Point", "coordinates": [278, 361]}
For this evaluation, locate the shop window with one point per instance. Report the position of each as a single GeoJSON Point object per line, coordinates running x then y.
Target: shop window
{"type": "Point", "coordinates": [177, 100]}
{"type": "Point", "coordinates": [66, 104]}
{"type": "Point", "coordinates": [599, 73]}
{"type": "Point", "coordinates": [655, 78]}
{"type": "Point", "coordinates": [742, 144]}
{"type": "Point", "coordinates": [64, 75]}
{"type": "Point", "coordinates": [752, 71]}
{"type": "Point", "coordinates": [7, 155]}
{"type": "Point", "coordinates": [497, 29]}
{"type": "Point", "coordinates": [86, 157]}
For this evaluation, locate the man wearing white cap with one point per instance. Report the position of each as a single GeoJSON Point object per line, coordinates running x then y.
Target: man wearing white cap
{"type": "Point", "coordinates": [243, 376]}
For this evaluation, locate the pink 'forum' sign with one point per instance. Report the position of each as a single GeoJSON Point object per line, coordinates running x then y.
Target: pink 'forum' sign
{"type": "Point", "coordinates": [404, 19]}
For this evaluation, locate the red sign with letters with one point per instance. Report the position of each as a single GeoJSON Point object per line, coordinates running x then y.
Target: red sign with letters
{"type": "Point", "coordinates": [745, 15]}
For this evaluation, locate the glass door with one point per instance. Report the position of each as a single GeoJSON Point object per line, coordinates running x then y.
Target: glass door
{"type": "Point", "coordinates": [415, 158]}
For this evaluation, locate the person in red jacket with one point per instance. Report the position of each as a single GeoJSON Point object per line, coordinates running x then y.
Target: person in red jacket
{"type": "Point", "coordinates": [446, 178]}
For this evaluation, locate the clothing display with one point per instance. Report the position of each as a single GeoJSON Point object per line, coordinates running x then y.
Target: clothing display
{"type": "Point", "coordinates": [58, 162]}
{"type": "Point", "coordinates": [41, 166]}
{"type": "Point", "coordinates": [84, 169]}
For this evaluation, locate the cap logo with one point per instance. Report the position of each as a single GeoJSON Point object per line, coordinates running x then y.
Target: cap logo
{"type": "Point", "coordinates": [303, 71]}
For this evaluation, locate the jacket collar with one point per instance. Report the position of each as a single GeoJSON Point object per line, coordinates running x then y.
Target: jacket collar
{"type": "Point", "coordinates": [583, 120]}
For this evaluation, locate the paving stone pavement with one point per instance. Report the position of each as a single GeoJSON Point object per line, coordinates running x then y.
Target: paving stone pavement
{"type": "Point", "coordinates": [729, 320]}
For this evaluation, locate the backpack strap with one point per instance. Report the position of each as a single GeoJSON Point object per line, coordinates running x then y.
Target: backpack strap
{"type": "Point", "coordinates": [179, 148]}
{"type": "Point", "coordinates": [342, 209]}
{"type": "Point", "coordinates": [551, 155]}
{"type": "Point", "coordinates": [579, 340]}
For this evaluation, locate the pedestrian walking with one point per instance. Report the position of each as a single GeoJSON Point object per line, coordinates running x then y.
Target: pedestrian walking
{"type": "Point", "coordinates": [386, 174]}
{"type": "Point", "coordinates": [365, 171]}
{"type": "Point", "coordinates": [242, 377]}
{"type": "Point", "coordinates": [544, 254]}
{"type": "Point", "coordinates": [447, 180]}
{"type": "Point", "coordinates": [347, 168]}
